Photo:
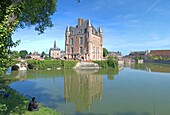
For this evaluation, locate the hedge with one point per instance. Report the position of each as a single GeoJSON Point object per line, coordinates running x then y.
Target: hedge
{"type": "Point", "coordinates": [107, 63]}
{"type": "Point", "coordinates": [69, 64]}
{"type": "Point", "coordinates": [53, 64]}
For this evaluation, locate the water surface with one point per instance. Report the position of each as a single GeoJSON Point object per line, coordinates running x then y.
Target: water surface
{"type": "Point", "coordinates": [131, 90]}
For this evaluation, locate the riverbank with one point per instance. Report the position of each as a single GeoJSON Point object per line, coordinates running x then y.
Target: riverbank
{"type": "Point", "coordinates": [17, 104]}
{"type": "Point", "coordinates": [158, 61]}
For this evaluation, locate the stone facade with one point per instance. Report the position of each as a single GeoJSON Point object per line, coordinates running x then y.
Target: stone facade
{"type": "Point", "coordinates": [84, 41]}
{"type": "Point", "coordinates": [163, 53]}
{"type": "Point", "coordinates": [54, 52]}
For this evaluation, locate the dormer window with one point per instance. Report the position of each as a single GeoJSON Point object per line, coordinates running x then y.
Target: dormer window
{"type": "Point", "coordinates": [72, 32]}
{"type": "Point", "coordinates": [80, 31]}
{"type": "Point", "coordinates": [71, 41]}
{"type": "Point", "coordinates": [85, 30]}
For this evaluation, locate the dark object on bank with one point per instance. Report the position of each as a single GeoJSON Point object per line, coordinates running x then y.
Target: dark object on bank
{"type": "Point", "coordinates": [6, 95]}
{"type": "Point", "coordinates": [33, 106]}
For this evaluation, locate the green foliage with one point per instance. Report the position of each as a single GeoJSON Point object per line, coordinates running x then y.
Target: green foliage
{"type": "Point", "coordinates": [23, 53]}
{"type": "Point", "coordinates": [45, 64]}
{"type": "Point", "coordinates": [37, 13]}
{"type": "Point", "coordinates": [110, 72]}
{"type": "Point", "coordinates": [153, 57]}
{"type": "Point", "coordinates": [14, 54]}
{"type": "Point", "coordinates": [69, 64]}
{"type": "Point", "coordinates": [30, 53]}
{"type": "Point", "coordinates": [43, 54]}
{"type": "Point", "coordinates": [1, 72]}
{"type": "Point", "coordinates": [15, 13]}
{"type": "Point", "coordinates": [110, 63]}
{"type": "Point", "coordinates": [54, 64]}
{"type": "Point", "coordinates": [102, 64]}
{"type": "Point", "coordinates": [17, 104]}
{"type": "Point", "coordinates": [105, 52]}
{"type": "Point", "coordinates": [8, 23]}
{"type": "Point", "coordinates": [136, 58]}
{"type": "Point", "coordinates": [47, 58]}
{"type": "Point", "coordinates": [140, 57]}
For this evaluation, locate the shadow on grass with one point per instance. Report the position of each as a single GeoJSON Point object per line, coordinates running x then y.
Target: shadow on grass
{"type": "Point", "coordinates": [14, 104]}
{"type": "Point", "coordinates": [17, 103]}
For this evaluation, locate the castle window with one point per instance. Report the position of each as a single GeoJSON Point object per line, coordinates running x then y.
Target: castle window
{"type": "Point", "coordinates": [81, 50]}
{"type": "Point", "coordinates": [81, 40]}
{"type": "Point", "coordinates": [80, 31]}
{"type": "Point", "coordinates": [71, 41]}
{"type": "Point", "coordinates": [85, 30]}
{"type": "Point", "coordinates": [72, 32]}
{"type": "Point", "coordinates": [72, 50]}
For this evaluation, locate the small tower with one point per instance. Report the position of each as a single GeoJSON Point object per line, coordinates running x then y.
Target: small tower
{"type": "Point", "coordinates": [54, 44]}
{"type": "Point", "coordinates": [67, 33]}
{"type": "Point", "coordinates": [89, 29]}
{"type": "Point", "coordinates": [101, 35]}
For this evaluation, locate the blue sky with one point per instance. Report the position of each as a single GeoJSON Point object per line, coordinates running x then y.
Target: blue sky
{"type": "Point", "coordinates": [128, 25]}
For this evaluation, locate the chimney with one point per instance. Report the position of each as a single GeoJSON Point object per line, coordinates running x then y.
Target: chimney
{"type": "Point", "coordinates": [80, 22]}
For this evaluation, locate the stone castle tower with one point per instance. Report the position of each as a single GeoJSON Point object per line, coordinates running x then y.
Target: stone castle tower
{"type": "Point", "coordinates": [84, 41]}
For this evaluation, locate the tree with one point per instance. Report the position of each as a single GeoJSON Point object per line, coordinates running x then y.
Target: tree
{"type": "Point", "coordinates": [15, 54]}
{"type": "Point", "coordinates": [105, 52]}
{"type": "Point", "coordinates": [43, 54]}
{"type": "Point", "coordinates": [140, 57]}
{"type": "Point", "coordinates": [30, 53]}
{"type": "Point", "coordinates": [23, 53]}
{"type": "Point", "coordinates": [22, 13]}
{"type": "Point", "coordinates": [136, 58]}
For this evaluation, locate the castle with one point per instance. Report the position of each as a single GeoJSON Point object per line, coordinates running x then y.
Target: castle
{"type": "Point", "coordinates": [84, 41]}
{"type": "Point", "coordinates": [54, 52]}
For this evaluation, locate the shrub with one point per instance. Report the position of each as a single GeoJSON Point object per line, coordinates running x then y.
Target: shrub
{"type": "Point", "coordinates": [44, 64]}
{"type": "Point", "coordinates": [107, 63]}
{"type": "Point", "coordinates": [69, 64]}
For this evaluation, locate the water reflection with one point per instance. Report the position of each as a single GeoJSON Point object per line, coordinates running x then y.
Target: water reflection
{"type": "Point", "coordinates": [151, 67]}
{"type": "Point", "coordinates": [95, 92]}
{"type": "Point", "coordinates": [8, 71]}
{"type": "Point", "coordinates": [22, 75]}
{"type": "Point", "coordinates": [83, 89]}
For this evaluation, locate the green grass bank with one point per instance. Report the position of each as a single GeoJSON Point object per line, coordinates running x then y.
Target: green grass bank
{"type": "Point", "coordinates": [17, 104]}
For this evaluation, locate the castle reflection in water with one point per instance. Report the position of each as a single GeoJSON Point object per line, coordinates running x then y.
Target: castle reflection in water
{"type": "Point", "coordinates": [82, 89]}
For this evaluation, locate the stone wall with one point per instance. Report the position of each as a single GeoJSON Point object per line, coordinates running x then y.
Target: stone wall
{"type": "Point", "coordinates": [158, 61]}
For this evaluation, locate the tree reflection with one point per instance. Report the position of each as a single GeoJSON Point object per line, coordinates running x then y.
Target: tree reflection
{"type": "Point", "coordinates": [110, 72]}
{"type": "Point", "coordinates": [153, 67]}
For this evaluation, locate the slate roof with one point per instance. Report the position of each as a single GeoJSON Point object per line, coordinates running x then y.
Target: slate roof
{"type": "Point", "coordinates": [138, 52]}
{"type": "Point", "coordinates": [54, 48]}
{"type": "Point", "coordinates": [82, 29]}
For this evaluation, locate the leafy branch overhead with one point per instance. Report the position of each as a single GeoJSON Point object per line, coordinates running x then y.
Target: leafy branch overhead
{"type": "Point", "coordinates": [22, 13]}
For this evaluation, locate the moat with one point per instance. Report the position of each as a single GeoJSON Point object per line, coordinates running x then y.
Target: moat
{"type": "Point", "coordinates": [130, 90]}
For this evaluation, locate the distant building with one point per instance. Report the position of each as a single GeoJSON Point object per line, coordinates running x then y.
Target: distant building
{"type": "Point", "coordinates": [84, 41]}
{"type": "Point", "coordinates": [115, 54]}
{"type": "Point", "coordinates": [35, 55]}
{"type": "Point", "coordinates": [54, 52]}
{"type": "Point", "coordinates": [162, 53]}
{"type": "Point", "coordinates": [133, 54]}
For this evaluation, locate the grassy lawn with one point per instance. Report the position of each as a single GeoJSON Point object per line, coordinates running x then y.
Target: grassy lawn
{"type": "Point", "coordinates": [16, 104]}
